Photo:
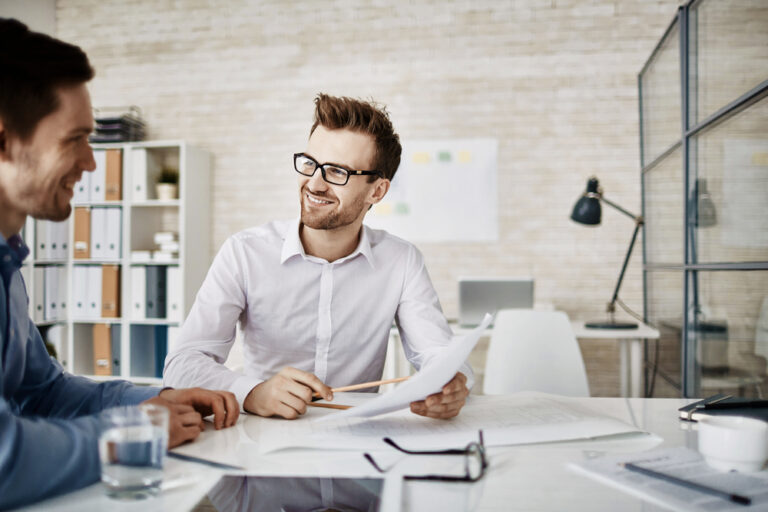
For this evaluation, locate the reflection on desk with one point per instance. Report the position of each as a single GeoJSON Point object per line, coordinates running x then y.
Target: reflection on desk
{"type": "Point", "coordinates": [269, 494]}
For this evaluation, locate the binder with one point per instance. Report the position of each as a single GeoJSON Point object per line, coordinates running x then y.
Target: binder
{"type": "Point", "coordinates": [139, 174]}
{"type": "Point", "coordinates": [98, 177]}
{"type": "Point", "coordinates": [173, 294]}
{"type": "Point", "coordinates": [110, 291]}
{"type": "Point", "coordinates": [52, 236]}
{"type": "Point", "coordinates": [138, 291]}
{"type": "Point", "coordinates": [41, 240]}
{"type": "Point", "coordinates": [156, 291]}
{"type": "Point", "coordinates": [114, 234]}
{"type": "Point", "coordinates": [83, 189]}
{"type": "Point", "coordinates": [51, 279]}
{"type": "Point", "coordinates": [82, 243]}
{"type": "Point", "coordinates": [113, 179]}
{"type": "Point", "coordinates": [161, 349]}
{"type": "Point", "coordinates": [143, 351]}
{"type": "Point", "coordinates": [79, 292]}
{"type": "Point", "coordinates": [115, 345]}
{"type": "Point", "coordinates": [61, 277]}
{"type": "Point", "coordinates": [98, 233]}
{"type": "Point", "coordinates": [63, 239]}
{"type": "Point", "coordinates": [38, 278]}
{"type": "Point", "coordinates": [93, 308]}
{"type": "Point", "coordinates": [102, 350]}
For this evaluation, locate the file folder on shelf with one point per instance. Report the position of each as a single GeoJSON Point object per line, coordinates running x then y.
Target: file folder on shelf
{"type": "Point", "coordinates": [115, 345]}
{"type": "Point", "coordinates": [98, 177]}
{"type": "Point", "coordinates": [51, 278]}
{"type": "Point", "coordinates": [102, 350]}
{"type": "Point", "coordinates": [139, 174]}
{"type": "Point", "coordinates": [93, 309]}
{"type": "Point", "coordinates": [113, 188]}
{"type": "Point", "coordinates": [38, 313]}
{"type": "Point", "coordinates": [42, 247]}
{"type": "Point", "coordinates": [138, 293]}
{"type": "Point", "coordinates": [114, 234]}
{"type": "Point", "coordinates": [83, 189]}
{"type": "Point", "coordinates": [82, 243]}
{"type": "Point", "coordinates": [173, 293]}
{"type": "Point", "coordinates": [110, 291]}
{"type": "Point", "coordinates": [156, 291]}
{"type": "Point", "coordinates": [79, 292]}
{"type": "Point", "coordinates": [98, 233]}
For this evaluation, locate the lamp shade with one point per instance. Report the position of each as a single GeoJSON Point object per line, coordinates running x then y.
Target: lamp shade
{"type": "Point", "coordinates": [587, 209]}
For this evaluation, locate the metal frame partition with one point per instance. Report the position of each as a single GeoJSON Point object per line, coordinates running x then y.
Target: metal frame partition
{"type": "Point", "coordinates": [690, 266]}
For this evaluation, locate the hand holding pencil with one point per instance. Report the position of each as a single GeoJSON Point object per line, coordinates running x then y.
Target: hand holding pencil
{"type": "Point", "coordinates": [286, 394]}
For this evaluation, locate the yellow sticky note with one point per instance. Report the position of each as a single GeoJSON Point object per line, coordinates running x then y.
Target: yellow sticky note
{"type": "Point", "coordinates": [421, 157]}
{"type": "Point", "coordinates": [760, 158]}
{"type": "Point", "coordinates": [465, 157]}
{"type": "Point", "coordinates": [383, 209]}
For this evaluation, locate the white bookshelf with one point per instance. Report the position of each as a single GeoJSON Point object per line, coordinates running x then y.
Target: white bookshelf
{"type": "Point", "coordinates": [189, 216]}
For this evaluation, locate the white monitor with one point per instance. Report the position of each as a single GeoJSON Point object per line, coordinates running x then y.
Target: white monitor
{"type": "Point", "coordinates": [481, 295]}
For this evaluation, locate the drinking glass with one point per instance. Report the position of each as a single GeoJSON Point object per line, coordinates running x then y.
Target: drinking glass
{"type": "Point", "coordinates": [132, 448]}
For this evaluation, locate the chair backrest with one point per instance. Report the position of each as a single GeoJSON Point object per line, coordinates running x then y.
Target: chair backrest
{"type": "Point", "coordinates": [533, 350]}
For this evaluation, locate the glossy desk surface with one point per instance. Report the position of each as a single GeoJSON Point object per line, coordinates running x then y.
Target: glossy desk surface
{"type": "Point", "coordinates": [530, 478]}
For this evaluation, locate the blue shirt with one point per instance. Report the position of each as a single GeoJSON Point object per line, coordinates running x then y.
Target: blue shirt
{"type": "Point", "coordinates": [49, 426]}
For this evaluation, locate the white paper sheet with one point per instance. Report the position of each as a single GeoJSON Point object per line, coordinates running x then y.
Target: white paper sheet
{"type": "Point", "coordinates": [522, 418]}
{"type": "Point", "coordinates": [683, 463]}
{"type": "Point", "coordinates": [429, 380]}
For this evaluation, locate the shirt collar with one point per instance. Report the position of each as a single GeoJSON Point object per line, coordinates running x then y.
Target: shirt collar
{"type": "Point", "coordinates": [12, 252]}
{"type": "Point", "coordinates": [292, 245]}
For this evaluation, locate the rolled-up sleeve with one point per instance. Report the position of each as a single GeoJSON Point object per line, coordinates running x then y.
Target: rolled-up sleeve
{"type": "Point", "coordinates": [208, 333]}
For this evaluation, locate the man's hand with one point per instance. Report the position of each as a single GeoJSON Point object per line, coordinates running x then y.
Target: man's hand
{"type": "Point", "coordinates": [285, 394]}
{"type": "Point", "coordinates": [447, 403]}
{"type": "Point", "coordinates": [184, 424]}
{"type": "Point", "coordinates": [222, 404]}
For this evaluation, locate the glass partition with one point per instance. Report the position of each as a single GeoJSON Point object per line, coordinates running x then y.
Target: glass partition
{"type": "Point", "coordinates": [663, 211]}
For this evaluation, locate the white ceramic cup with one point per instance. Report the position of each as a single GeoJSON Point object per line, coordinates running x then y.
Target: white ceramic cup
{"type": "Point", "coordinates": [734, 443]}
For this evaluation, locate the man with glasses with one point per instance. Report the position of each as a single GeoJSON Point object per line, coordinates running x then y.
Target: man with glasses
{"type": "Point", "coordinates": [316, 297]}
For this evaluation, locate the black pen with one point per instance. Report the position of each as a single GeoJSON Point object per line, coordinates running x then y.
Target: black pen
{"type": "Point", "coordinates": [735, 498]}
{"type": "Point", "coordinates": [190, 458]}
{"type": "Point", "coordinates": [751, 404]}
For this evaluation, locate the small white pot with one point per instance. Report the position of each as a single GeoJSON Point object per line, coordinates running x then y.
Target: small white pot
{"type": "Point", "coordinates": [167, 191]}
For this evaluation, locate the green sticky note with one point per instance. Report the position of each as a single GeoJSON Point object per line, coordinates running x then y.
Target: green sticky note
{"type": "Point", "coordinates": [444, 156]}
{"type": "Point", "coordinates": [402, 209]}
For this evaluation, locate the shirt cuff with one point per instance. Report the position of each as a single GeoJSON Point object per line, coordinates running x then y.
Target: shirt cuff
{"type": "Point", "coordinates": [242, 386]}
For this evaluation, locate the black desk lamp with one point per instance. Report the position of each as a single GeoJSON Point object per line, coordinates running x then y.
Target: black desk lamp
{"type": "Point", "coordinates": [587, 211]}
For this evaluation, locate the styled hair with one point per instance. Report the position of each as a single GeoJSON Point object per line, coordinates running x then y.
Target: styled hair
{"type": "Point", "coordinates": [32, 67]}
{"type": "Point", "coordinates": [335, 113]}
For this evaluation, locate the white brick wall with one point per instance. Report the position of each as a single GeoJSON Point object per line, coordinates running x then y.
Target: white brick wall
{"type": "Point", "coordinates": [554, 81]}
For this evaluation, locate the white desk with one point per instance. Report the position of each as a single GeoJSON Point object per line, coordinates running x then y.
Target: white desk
{"type": "Point", "coordinates": [630, 352]}
{"type": "Point", "coordinates": [533, 477]}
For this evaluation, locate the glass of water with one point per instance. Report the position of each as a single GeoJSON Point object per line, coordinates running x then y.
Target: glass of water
{"type": "Point", "coordinates": [132, 448]}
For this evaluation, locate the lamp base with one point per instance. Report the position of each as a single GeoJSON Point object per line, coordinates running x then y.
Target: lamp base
{"type": "Point", "coordinates": [610, 325]}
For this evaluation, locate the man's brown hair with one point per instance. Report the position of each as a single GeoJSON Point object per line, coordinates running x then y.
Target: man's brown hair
{"type": "Point", "coordinates": [365, 117]}
{"type": "Point", "coordinates": [32, 67]}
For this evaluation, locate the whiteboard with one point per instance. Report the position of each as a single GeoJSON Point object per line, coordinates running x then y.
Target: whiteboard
{"type": "Point", "coordinates": [444, 191]}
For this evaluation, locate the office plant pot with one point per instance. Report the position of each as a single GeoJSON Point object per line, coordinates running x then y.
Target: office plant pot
{"type": "Point", "coordinates": [167, 191]}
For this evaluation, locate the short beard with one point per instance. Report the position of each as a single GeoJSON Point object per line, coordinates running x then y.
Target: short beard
{"type": "Point", "coordinates": [334, 220]}
{"type": "Point", "coordinates": [30, 163]}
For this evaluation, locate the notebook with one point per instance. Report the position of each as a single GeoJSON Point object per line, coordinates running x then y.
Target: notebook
{"type": "Point", "coordinates": [478, 296]}
{"type": "Point", "coordinates": [725, 405]}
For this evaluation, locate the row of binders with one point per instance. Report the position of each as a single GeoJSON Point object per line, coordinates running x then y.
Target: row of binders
{"type": "Point", "coordinates": [95, 291]}
{"type": "Point", "coordinates": [98, 233]}
{"type": "Point", "coordinates": [149, 346]}
{"type": "Point", "coordinates": [156, 292]}
{"type": "Point", "coordinates": [50, 293]}
{"type": "Point", "coordinates": [106, 182]}
{"type": "Point", "coordinates": [51, 240]}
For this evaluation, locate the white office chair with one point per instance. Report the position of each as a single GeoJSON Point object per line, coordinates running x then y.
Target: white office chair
{"type": "Point", "coordinates": [534, 350]}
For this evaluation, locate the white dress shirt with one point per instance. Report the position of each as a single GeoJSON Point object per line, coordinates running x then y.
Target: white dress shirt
{"type": "Point", "coordinates": [330, 319]}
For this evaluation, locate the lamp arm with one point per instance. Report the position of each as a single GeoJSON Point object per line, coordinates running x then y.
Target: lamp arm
{"type": "Point", "coordinates": [638, 223]}
{"type": "Point", "coordinates": [632, 216]}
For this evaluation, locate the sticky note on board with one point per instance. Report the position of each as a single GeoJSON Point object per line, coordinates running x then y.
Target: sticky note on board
{"type": "Point", "coordinates": [465, 157]}
{"type": "Point", "coordinates": [421, 157]}
{"type": "Point", "coordinates": [760, 158]}
{"type": "Point", "coordinates": [383, 209]}
{"type": "Point", "coordinates": [444, 156]}
{"type": "Point", "coordinates": [402, 209]}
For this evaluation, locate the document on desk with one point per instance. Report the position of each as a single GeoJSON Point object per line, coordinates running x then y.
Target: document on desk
{"type": "Point", "coordinates": [682, 463]}
{"type": "Point", "coordinates": [429, 380]}
{"type": "Point", "coordinates": [522, 418]}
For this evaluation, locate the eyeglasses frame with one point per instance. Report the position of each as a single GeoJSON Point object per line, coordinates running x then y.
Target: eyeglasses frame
{"type": "Point", "coordinates": [467, 451]}
{"type": "Point", "coordinates": [350, 172]}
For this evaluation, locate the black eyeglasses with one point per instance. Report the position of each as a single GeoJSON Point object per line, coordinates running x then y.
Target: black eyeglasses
{"type": "Point", "coordinates": [332, 173]}
{"type": "Point", "coordinates": [475, 462]}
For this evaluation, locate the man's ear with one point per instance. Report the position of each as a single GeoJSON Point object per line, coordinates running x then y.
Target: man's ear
{"type": "Point", "coordinates": [380, 189]}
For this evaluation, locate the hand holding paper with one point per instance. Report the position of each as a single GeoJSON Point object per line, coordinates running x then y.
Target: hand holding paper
{"type": "Point", "coordinates": [429, 381]}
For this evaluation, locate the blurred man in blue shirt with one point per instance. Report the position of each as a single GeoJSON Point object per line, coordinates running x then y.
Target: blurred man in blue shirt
{"type": "Point", "coordinates": [49, 421]}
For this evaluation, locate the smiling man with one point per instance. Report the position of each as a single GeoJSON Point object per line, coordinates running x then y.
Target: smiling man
{"type": "Point", "coordinates": [316, 297]}
{"type": "Point", "coordinates": [49, 424]}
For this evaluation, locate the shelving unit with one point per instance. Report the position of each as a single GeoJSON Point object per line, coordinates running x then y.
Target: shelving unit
{"type": "Point", "coordinates": [140, 358]}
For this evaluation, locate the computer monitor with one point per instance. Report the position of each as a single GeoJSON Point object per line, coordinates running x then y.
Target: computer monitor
{"type": "Point", "coordinates": [478, 296]}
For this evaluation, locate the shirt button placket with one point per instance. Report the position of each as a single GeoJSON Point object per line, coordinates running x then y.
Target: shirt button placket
{"type": "Point", "coordinates": [324, 328]}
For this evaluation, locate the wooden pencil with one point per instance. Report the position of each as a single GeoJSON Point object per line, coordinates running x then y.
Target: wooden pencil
{"type": "Point", "coordinates": [329, 406]}
{"type": "Point", "coordinates": [364, 385]}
